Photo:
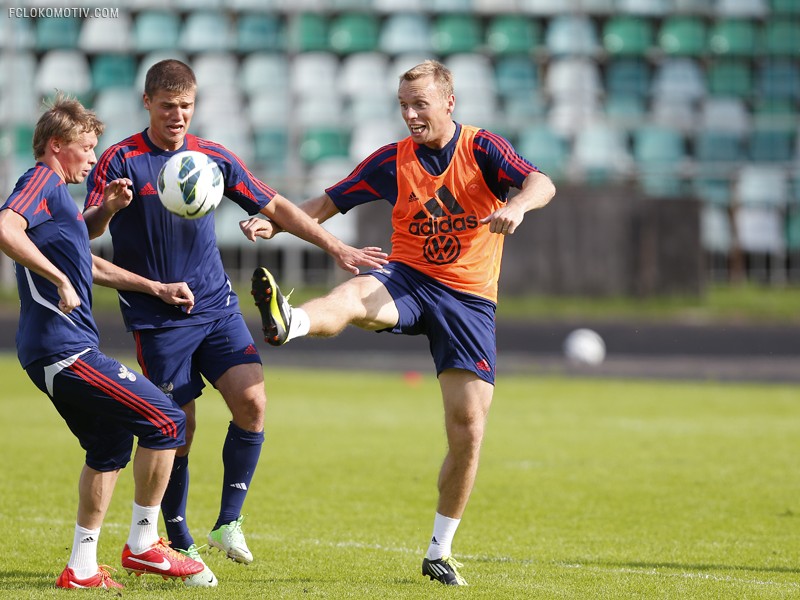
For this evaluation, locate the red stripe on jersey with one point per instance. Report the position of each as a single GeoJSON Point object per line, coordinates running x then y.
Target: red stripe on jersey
{"type": "Point", "coordinates": [212, 148]}
{"type": "Point", "coordinates": [123, 396]}
{"type": "Point", "coordinates": [508, 152]}
{"type": "Point", "coordinates": [387, 147]}
{"type": "Point", "coordinates": [30, 190]}
{"type": "Point", "coordinates": [95, 198]}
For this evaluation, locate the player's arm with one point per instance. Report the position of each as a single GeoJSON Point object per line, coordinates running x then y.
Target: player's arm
{"type": "Point", "coordinates": [537, 191]}
{"type": "Point", "coordinates": [108, 274]}
{"type": "Point", "coordinates": [117, 194]}
{"type": "Point", "coordinates": [16, 244]}
{"type": "Point", "coordinates": [320, 209]}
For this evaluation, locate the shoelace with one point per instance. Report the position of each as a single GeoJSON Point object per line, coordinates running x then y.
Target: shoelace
{"type": "Point", "coordinates": [103, 571]}
{"type": "Point", "coordinates": [164, 547]}
{"type": "Point", "coordinates": [193, 551]}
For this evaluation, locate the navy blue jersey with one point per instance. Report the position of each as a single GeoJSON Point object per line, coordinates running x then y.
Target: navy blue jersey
{"type": "Point", "coordinates": [376, 177]}
{"type": "Point", "coordinates": [149, 240]}
{"type": "Point", "coordinates": [57, 228]}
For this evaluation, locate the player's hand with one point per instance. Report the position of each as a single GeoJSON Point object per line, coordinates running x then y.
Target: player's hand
{"type": "Point", "coordinates": [117, 195]}
{"type": "Point", "coordinates": [350, 259]}
{"type": "Point", "coordinates": [177, 294]}
{"type": "Point", "coordinates": [504, 220]}
{"type": "Point", "coordinates": [257, 227]}
{"type": "Point", "coordinates": [68, 298]}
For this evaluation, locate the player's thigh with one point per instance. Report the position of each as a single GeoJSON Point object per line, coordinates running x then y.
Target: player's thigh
{"type": "Point", "coordinates": [377, 308]}
{"type": "Point", "coordinates": [166, 357]}
{"type": "Point", "coordinates": [228, 343]}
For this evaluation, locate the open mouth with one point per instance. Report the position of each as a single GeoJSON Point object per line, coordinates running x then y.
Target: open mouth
{"type": "Point", "coordinates": [416, 129]}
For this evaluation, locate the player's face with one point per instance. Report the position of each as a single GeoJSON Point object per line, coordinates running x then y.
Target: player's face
{"type": "Point", "coordinates": [427, 112]}
{"type": "Point", "coordinates": [77, 158]}
{"type": "Point", "coordinates": [170, 115]}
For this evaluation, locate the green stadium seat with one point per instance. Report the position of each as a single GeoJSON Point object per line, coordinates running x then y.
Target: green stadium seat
{"type": "Point", "coordinates": [712, 190]}
{"type": "Point", "coordinates": [53, 33]}
{"type": "Point", "coordinates": [257, 31]}
{"type": "Point", "coordinates": [513, 34]}
{"type": "Point", "coordinates": [308, 32]}
{"type": "Point", "coordinates": [730, 77]}
{"type": "Point", "coordinates": [694, 7]}
{"type": "Point", "coordinates": [734, 37]}
{"type": "Point", "coordinates": [456, 33]}
{"type": "Point", "coordinates": [516, 75]}
{"type": "Point", "coordinates": [207, 31]}
{"type": "Point", "coordinates": [784, 7]}
{"type": "Point", "coordinates": [627, 111]}
{"type": "Point", "coordinates": [353, 32]}
{"type": "Point", "coordinates": [546, 149]}
{"type": "Point", "coordinates": [781, 37]}
{"type": "Point", "coordinates": [682, 35]}
{"type": "Point", "coordinates": [450, 6]}
{"type": "Point", "coordinates": [774, 112]}
{"type": "Point", "coordinates": [660, 157]}
{"type": "Point", "coordinates": [271, 147]}
{"type": "Point", "coordinates": [628, 76]}
{"type": "Point", "coordinates": [156, 30]}
{"type": "Point", "coordinates": [778, 78]}
{"type": "Point", "coordinates": [771, 144]}
{"type": "Point", "coordinates": [718, 152]}
{"type": "Point", "coordinates": [324, 142]}
{"type": "Point", "coordinates": [627, 36]}
{"type": "Point", "coordinates": [113, 70]}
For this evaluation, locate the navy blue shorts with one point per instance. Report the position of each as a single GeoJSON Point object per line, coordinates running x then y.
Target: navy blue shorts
{"type": "Point", "coordinates": [177, 358]}
{"type": "Point", "coordinates": [460, 327]}
{"type": "Point", "coordinates": [105, 405]}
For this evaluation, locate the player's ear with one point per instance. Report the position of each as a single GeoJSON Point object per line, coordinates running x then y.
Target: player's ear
{"type": "Point", "coordinates": [54, 144]}
{"type": "Point", "coordinates": [146, 101]}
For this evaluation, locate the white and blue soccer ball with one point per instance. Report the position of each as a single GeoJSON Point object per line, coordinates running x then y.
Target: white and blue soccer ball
{"type": "Point", "coordinates": [585, 347]}
{"type": "Point", "coordinates": [190, 185]}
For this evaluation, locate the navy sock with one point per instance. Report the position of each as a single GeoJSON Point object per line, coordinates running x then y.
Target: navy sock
{"type": "Point", "coordinates": [173, 506]}
{"type": "Point", "coordinates": [239, 459]}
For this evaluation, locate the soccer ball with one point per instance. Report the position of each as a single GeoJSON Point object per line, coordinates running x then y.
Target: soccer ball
{"type": "Point", "coordinates": [190, 185]}
{"type": "Point", "coordinates": [585, 347]}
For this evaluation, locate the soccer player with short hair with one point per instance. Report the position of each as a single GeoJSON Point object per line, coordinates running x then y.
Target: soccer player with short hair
{"type": "Point", "coordinates": [103, 402]}
{"type": "Point", "coordinates": [448, 184]}
{"type": "Point", "coordinates": [177, 349]}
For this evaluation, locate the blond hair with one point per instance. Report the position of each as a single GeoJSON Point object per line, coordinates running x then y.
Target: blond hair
{"type": "Point", "coordinates": [442, 77]}
{"type": "Point", "coordinates": [65, 119]}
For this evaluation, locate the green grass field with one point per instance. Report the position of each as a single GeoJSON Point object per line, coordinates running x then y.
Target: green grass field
{"type": "Point", "coordinates": [587, 489]}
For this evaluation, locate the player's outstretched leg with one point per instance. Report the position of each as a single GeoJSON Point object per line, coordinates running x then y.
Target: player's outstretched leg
{"type": "Point", "coordinates": [204, 578]}
{"type": "Point", "coordinates": [230, 540]}
{"type": "Point", "coordinates": [160, 559]}
{"type": "Point", "coordinates": [101, 579]}
{"type": "Point", "coordinates": [444, 570]}
{"type": "Point", "coordinates": [276, 314]}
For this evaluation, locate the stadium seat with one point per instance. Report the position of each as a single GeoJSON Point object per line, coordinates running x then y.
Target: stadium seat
{"type": "Point", "coordinates": [18, 34]}
{"type": "Point", "coordinates": [120, 105]}
{"type": "Point", "coordinates": [369, 135]}
{"type": "Point", "coordinates": [507, 34]}
{"type": "Point", "coordinates": [156, 30]}
{"type": "Point", "coordinates": [151, 58]}
{"type": "Point", "coordinates": [520, 110]}
{"type": "Point", "coordinates": [220, 104]}
{"type": "Point", "coordinates": [661, 161]}
{"type": "Point", "coordinates": [627, 35]}
{"type": "Point", "coordinates": [398, 65]}
{"type": "Point", "coordinates": [373, 107]}
{"type": "Point", "coordinates": [65, 70]}
{"type": "Point", "coordinates": [351, 5]}
{"type": "Point", "coordinates": [682, 35]}
{"type": "Point", "coordinates": [312, 72]}
{"type": "Point", "coordinates": [761, 185]}
{"type": "Point", "coordinates": [402, 31]}
{"type": "Point", "coordinates": [480, 110]}
{"type": "Point", "coordinates": [53, 33]}
{"type": "Point", "coordinates": [256, 31]}
{"type": "Point", "coordinates": [718, 152]}
{"type": "Point", "coordinates": [771, 144]}
{"type": "Point", "coordinates": [363, 73]}
{"type": "Point", "coordinates": [573, 77]}
{"type": "Point", "coordinates": [680, 78]}
{"type": "Point", "coordinates": [113, 70]}
{"type": "Point", "coordinates": [784, 7]}
{"type": "Point", "coordinates": [316, 110]}
{"type": "Point", "coordinates": [516, 75]}
{"type": "Point", "coordinates": [678, 113]}
{"type": "Point", "coordinates": [742, 8]}
{"type": "Point", "coordinates": [19, 102]}
{"type": "Point", "coordinates": [725, 114]}
{"type": "Point", "coordinates": [206, 31]}
{"type": "Point", "coordinates": [600, 154]}
{"type": "Point", "coordinates": [495, 7]}
{"type": "Point", "coordinates": [715, 230]}
{"type": "Point", "coordinates": [778, 78]}
{"type": "Point", "coordinates": [454, 33]}
{"type": "Point", "coordinates": [546, 149]}
{"type": "Point", "coordinates": [712, 190]}
{"type": "Point", "coordinates": [353, 32]}
{"type": "Point", "coordinates": [324, 142]}
{"type": "Point", "coordinates": [628, 76]}
{"type": "Point", "coordinates": [543, 8]}
{"type": "Point", "coordinates": [693, 7]}
{"type": "Point", "coordinates": [263, 73]}
{"type": "Point", "coordinates": [569, 116]}
{"type": "Point", "coordinates": [734, 37]}
{"type": "Point", "coordinates": [781, 37]}
{"type": "Point", "coordinates": [263, 6]}
{"type": "Point", "coordinates": [215, 70]}
{"type": "Point", "coordinates": [450, 6]}
{"type": "Point", "coordinates": [760, 230]}
{"type": "Point", "coordinates": [730, 77]}
{"type": "Point", "coordinates": [571, 35]}
{"type": "Point", "coordinates": [106, 35]}
{"type": "Point", "coordinates": [396, 6]}
{"type": "Point", "coordinates": [774, 112]}
{"type": "Point", "coordinates": [271, 146]}
{"type": "Point", "coordinates": [645, 8]}
{"type": "Point", "coordinates": [473, 74]}
{"type": "Point", "coordinates": [270, 109]}
{"type": "Point", "coordinates": [597, 7]}
{"type": "Point", "coordinates": [625, 111]}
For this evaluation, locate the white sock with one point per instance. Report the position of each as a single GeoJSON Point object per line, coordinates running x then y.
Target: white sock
{"type": "Point", "coordinates": [144, 527]}
{"type": "Point", "coordinates": [444, 529]}
{"type": "Point", "coordinates": [300, 324]}
{"type": "Point", "coordinates": [83, 560]}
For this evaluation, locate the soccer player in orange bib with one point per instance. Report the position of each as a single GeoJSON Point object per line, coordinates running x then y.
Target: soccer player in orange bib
{"type": "Point", "coordinates": [448, 184]}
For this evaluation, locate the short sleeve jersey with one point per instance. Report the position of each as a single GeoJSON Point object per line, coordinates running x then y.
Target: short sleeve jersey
{"type": "Point", "coordinates": [57, 229]}
{"type": "Point", "coordinates": [438, 199]}
{"type": "Point", "coordinates": [149, 240]}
